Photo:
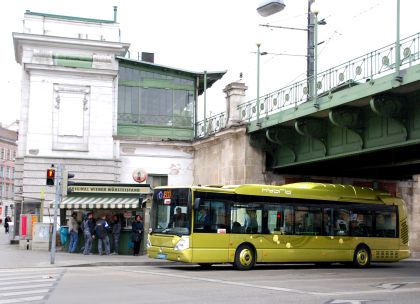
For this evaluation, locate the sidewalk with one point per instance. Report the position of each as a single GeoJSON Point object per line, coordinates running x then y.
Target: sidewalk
{"type": "Point", "coordinates": [13, 257]}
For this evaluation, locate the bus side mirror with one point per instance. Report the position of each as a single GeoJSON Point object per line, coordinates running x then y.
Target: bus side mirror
{"type": "Point", "coordinates": [197, 203]}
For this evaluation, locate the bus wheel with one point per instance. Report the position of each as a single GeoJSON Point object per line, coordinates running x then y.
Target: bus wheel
{"type": "Point", "coordinates": [361, 257]}
{"type": "Point", "coordinates": [244, 257]}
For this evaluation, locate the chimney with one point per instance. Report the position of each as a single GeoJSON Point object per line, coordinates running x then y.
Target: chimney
{"type": "Point", "coordinates": [148, 57]}
{"type": "Point", "coordinates": [115, 13]}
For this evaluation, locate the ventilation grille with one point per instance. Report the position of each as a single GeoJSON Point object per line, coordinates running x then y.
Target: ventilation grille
{"type": "Point", "coordinates": [387, 254]}
{"type": "Point", "coordinates": [404, 232]}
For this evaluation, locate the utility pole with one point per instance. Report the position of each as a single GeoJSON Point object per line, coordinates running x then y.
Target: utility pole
{"type": "Point", "coordinates": [258, 83]}
{"type": "Point", "coordinates": [57, 201]}
{"type": "Point", "coordinates": [398, 47]}
{"type": "Point", "coordinates": [310, 58]}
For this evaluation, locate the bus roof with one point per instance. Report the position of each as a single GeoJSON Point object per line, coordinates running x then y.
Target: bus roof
{"type": "Point", "coordinates": [314, 190]}
{"type": "Point", "coordinates": [336, 192]}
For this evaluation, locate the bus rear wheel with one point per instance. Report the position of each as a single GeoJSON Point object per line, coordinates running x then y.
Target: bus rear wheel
{"type": "Point", "coordinates": [361, 257]}
{"type": "Point", "coordinates": [244, 257]}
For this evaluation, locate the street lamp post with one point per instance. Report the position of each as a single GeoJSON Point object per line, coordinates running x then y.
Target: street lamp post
{"type": "Point", "coordinates": [314, 12]}
{"type": "Point", "coordinates": [258, 83]}
{"type": "Point", "coordinates": [397, 46]}
{"type": "Point", "coordinates": [311, 60]}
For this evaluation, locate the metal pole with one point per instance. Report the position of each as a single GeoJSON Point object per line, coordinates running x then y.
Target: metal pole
{"type": "Point", "coordinates": [315, 84]}
{"type": "Point", "coordinates": [205, 102]}
{"type": "Point", "coordinates": [258, 83]}
{"type": "Point", "coordinates": [310, 52]}
{"type": "Point", "coordinates": [56, 204]}
{"type": "Point", "coordinates": [397, 43]}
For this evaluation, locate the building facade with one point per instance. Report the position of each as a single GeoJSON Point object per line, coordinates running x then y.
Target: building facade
{"type": "Point", "coordinates": [8, 147]}
{"type": "Point", "coordinates": [102, 116]}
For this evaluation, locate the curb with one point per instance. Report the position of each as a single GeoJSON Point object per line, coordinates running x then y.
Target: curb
{"type": "Point", "coordinates": [105, 264]}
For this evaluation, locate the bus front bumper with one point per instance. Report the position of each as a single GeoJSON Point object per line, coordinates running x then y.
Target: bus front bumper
{"type": "Point", "coordinates": [166, 253]}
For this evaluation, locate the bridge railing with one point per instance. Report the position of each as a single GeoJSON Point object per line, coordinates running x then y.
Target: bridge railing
{"type": "Point", "coordinates": [361, 69]}
{"type": "Point", "coordinates": [211, 125]}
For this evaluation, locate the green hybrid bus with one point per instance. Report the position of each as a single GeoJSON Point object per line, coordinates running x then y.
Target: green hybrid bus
{"type": "Point", "coordinates": [294, 223]}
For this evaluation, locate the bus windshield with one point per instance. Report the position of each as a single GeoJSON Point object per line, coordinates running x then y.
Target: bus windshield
{"type": "Point", "coordinates": [171, 211]}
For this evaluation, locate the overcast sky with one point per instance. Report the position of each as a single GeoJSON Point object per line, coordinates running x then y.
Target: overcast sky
{"type": "Point", "coordinates": [218, 35]}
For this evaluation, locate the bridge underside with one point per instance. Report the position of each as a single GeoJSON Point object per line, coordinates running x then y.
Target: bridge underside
{"type": "Point", "coordinates": [394, 164]}
{"type": "Point", "coordinates": [357, 132]}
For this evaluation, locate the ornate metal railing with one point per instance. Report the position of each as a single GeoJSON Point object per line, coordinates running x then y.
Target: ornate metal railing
{"type": "Point", "coordinates": [211, 125]}
{"type": "Point", "coordinates": [362, 69]}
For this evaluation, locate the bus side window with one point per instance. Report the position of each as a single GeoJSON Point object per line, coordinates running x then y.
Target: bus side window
{"type": "Point", "coordinates": [328, 215]}
{"type": "Point", "coordinates": [202, 217]}
{"type": "Point", "coordinates": [211, 217]}
{"type": "Point", "coordinates": [361, 223]}
{"type": "Point", "coordinates": [385, 223]}
{"type": "Point", "coordinates": [248, 216]}
{"type": "Point", "coordinates": [341, 220]}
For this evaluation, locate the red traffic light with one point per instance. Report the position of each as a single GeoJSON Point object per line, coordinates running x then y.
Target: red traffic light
{"type": "Point", "coordinates": [50, 177]}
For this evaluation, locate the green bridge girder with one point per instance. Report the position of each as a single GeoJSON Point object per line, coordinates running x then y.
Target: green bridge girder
{"type": "Point", "coordinates": [370, 129]}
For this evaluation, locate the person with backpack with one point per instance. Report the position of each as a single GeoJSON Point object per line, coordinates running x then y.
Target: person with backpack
{"type": "Point", "coordinates": [6, 224]}
{"type": "Point", "coordinates": [101, 233]}
{"type": "Point", "coordinates": [88, 228]}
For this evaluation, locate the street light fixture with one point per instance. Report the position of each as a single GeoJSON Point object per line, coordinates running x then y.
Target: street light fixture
{"type": "Point", "coordinates": [270, 7]}
{"type": "Point", "coordinates": [313, 11]}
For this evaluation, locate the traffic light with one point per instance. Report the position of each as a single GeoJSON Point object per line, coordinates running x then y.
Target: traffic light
{"type": "Point", "coordinates": [50, 177]}
{"type": "Point", "coordinates": [66, 182]}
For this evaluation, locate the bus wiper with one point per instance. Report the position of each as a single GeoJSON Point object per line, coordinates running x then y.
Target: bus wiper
{"type": "Point", "coordinates": [170, 231]}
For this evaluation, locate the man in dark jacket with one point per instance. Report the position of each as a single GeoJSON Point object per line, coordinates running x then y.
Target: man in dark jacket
{"type": "Point", "coordinates": [101, 233]}
{"type": "Point", "coordinates": [137, 234]}
{"type": "Point", "coordinates": [88, 227]}
{"type": "Point", "coordinates": [116, 231]}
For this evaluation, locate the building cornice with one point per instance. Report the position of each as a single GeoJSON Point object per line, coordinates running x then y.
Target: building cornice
{"type": "Point", "coordinates": [19, 39]}
{"type": "Point", "coordinates": [67, 70]}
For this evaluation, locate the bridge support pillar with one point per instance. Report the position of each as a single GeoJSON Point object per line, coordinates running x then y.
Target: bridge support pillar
{"type": "Point", "coordinates": [410, 192]}
{"type": "Point", "coordinates": [235, 95]}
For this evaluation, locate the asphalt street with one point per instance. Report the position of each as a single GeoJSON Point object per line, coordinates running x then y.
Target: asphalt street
{"type": "Point", "coordinates": [382, 283]}
{"type": "Point", "coordinates": [28, 277]}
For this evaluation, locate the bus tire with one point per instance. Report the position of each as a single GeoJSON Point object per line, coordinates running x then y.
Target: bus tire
{"type": "Point", "coordinates": [244, 257]}
{"type": "Point", "coordinates": [362, 257]}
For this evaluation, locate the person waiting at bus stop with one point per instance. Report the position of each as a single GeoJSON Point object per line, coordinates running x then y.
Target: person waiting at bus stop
{"type": "Point", "coordinates": [88, 228]}
{"type": "Point", "coordinates": [101, 233]}
{"type": "Point", "coordinates": [137, 234]}
{"type": "Point", "coordinates": [116, 231]}
{"type": "Point", "coordinates": [74, 232]}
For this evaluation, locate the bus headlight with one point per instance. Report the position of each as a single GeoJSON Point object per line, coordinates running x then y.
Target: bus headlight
{"type": "Point", "coordinates": [183, 243]}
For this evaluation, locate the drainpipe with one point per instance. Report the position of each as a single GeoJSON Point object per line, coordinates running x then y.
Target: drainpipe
{"type": "Point", "coordinates": [205, 101]}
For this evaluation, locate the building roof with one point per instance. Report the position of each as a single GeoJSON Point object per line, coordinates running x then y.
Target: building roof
{"type": "Point", "coordinates": [212, 77]}
{"type": "Point", "coordinates": [8, 136]}
{"type": "Point", "coordinates": [73, 18]}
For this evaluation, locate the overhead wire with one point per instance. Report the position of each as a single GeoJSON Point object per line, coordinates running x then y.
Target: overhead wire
{"type": "Point", "coordinates": [335, 33]}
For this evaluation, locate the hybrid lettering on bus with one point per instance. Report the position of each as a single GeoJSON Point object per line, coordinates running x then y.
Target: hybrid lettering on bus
{"type": "Point", "coordinates": [302, 222]}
